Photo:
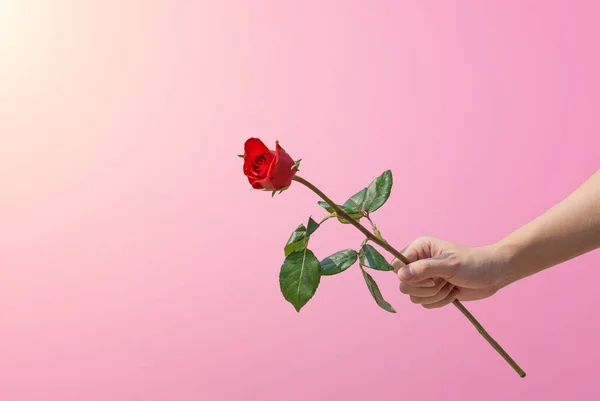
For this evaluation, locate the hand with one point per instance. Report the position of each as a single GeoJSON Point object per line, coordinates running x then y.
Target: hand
{"type": "Point", "coordinates": [441, 271]}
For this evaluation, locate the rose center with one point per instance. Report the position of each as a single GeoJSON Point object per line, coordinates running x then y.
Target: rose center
{"type": "Point", "coordinates": [259, 164]}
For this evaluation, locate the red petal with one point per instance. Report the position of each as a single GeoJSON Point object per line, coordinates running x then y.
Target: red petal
{"type": "Point", "coordinates": [265, 183]}
{"type": "Point", "coordinates": [281, 173]}
{"type": "Point", "coordinates": [254, 146]}
{"type": "Point", "coordinates": [255, 184]}
{"type": "Point", "coordinates": [274, 161]}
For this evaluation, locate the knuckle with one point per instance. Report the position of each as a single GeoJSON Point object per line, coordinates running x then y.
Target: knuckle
{"type": "Point", "coordinates": [425, 240]}
{"type": "Point", "coordinates": [449, 291]}
{"type": "Point", "coordinates": [446, 289]}
{"type": "Point", "coordinates": [424, 268]}
{"type": "Point", "coordinates": [455, 261]}
{"type": "Point", "coordinates": [419, 267]}
{"type": "Point", "coordinates": [433, 291]}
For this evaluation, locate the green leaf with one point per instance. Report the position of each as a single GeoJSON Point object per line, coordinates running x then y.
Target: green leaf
{"type": "Point", "coordinates": [296, 241]}
{"type": "Point", "coordinates": [351, 211]}
{"type": "Point", "coordinates": [296, 165]}
{"type": "Point", "coordinates": [242, 156]}
{"type": "Point", "coordinates": [355, 203]}
{"type": "Point", "coordinates": [299, 277]}
{"type": "Point", "coordinates": [378, 192]}
{"type": "Point", "coordinates": [352, 206]}
{"type": "Point", "coordinates": [378, 234]}
{"type": "Point", "coordinates": [300, 236]}
{"type": "Point", "coordinates": [376, 293]}
{"type": "Point", "coordinates": [326, 206]}
{"type": "Point", "coordinates": [369, 257]}
{"type": "Point", "coordinates": [356, 217]}
{"type": "Point", "coordinates": [338, 262]}
{"type": "Point", "coordinates": [312, 226]}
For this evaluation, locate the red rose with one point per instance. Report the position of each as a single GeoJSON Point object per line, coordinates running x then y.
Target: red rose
{"type": "Point", "coordinates": [267, 169]}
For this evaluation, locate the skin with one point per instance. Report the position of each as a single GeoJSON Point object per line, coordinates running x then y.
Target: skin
{"type": "Point", "coordinates": [442, 271]}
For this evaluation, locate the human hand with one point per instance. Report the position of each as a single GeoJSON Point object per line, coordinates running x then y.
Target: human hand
{"type": "Point", "coordinates": [441, 271]}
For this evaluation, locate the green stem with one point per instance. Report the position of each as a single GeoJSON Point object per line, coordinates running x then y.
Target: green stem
{"type": "Point", "coordinates": [325, 219]}
{"type": "Point", "coordinates": [370, 221]}
{"type": "Point", "coordinates": [404, 260]}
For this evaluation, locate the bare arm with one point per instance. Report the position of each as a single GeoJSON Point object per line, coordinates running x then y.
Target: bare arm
{"type": "Point", "coordinates": [568, 229]}
{"type": "Point", "coordinates": [441, 271]}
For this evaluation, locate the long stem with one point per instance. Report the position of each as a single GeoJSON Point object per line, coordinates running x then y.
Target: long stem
{"type": "Point", "coordinates": [404, 260]}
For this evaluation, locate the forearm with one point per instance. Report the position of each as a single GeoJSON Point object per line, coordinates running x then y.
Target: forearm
{"type": "Point", "coordinates": [567, 230]}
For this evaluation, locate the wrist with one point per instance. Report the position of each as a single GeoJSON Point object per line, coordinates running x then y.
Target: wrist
{"type": "Point", "coordinates": [504, 257]}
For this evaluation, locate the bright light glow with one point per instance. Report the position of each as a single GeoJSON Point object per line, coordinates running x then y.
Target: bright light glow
{"type": "Point", "coordinates": [9, 24]}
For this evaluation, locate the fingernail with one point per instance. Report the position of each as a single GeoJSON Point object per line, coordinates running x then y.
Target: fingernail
{"type": "Point", "coordinates": [429, 283]}
{"type": "Point", "coordinates": [404, 273]}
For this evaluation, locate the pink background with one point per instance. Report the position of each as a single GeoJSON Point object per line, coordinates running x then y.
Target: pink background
{"type": "Point", "coordinates": [136, 264]}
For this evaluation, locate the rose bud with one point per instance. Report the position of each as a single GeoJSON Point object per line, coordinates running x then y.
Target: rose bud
{"type": "Point", "coordinates": [267, 169]}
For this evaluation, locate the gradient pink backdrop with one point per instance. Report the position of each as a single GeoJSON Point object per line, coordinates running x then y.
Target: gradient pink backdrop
{"type": "Point", "coordinates": [136, 264]}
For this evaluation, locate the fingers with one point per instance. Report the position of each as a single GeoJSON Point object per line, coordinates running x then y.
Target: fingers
{"type": "Point", "coordinates": [449, 299]}
{"type": "Point", "coordinates": [418, 249]}
{"type": "Point", "coordinates": [397, 265]}
{"type": "Point", "coordinates": [422, 290]}
{"type": "Point", "coordinates": [442, 266]}
{"type": "Point", "coordinates": [428, 257]}
{"type": "Point", "coordinates": [428, 283]}
{"type": "Point", "coordinates": [441, 296]}
{"type": "Point", "coordinates": [425, 279]}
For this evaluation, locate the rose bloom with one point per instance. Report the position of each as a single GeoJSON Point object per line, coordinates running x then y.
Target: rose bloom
{"type": "Point", "coordinates": [267, 169]}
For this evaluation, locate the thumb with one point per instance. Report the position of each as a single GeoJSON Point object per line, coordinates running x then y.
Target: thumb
{"type": "Point", "coordinates": [438, 266]}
